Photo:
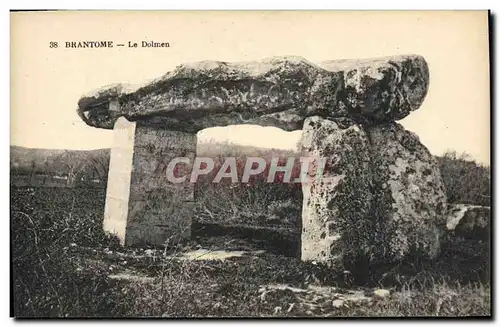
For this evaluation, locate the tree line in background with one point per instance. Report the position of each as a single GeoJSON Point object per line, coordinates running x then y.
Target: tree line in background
{"type": "Point", "coordinates": [58, 168]}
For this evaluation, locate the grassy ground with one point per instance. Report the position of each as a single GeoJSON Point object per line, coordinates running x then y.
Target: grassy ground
{"type": "Point", "coordinates": [65, 266]}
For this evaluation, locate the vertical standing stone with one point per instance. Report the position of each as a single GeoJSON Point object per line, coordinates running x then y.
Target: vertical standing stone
{"type": "Point", "coordinates": [142, 205]}
{"type": "Point", "coordinates": [335, 214]}
{"type": "Point", "coordinates": [409, 197]}
{"type": "Point", "coordinates": [160, 211]}
{"type": "Point", "coordinates": [119, 176]}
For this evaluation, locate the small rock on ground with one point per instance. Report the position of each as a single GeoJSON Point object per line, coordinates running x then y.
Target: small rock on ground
{"type": "Point", "coordinates": [381, 293]}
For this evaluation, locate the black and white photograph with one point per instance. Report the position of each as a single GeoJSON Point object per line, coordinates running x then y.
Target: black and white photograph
{"type": "Point", "coordinates": [250, 164]}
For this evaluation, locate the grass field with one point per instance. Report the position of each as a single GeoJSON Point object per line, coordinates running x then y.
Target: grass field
{"type": "Point", "coordinates": [64, 265]}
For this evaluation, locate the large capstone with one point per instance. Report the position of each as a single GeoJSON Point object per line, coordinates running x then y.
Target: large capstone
{"type": "Point", "coordinates": [409, 198]}
{"type": "Point", "coordinates": [280, 92]}
{"type": "Point", "coordinates": [336, 202]}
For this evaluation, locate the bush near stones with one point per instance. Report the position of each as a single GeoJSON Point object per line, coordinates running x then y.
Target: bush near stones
{"type": "Point", "coordinates": [465, 180]}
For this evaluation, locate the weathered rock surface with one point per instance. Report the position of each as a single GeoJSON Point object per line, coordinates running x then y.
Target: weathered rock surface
{"type": "Point", "coordinates": [468, 233]}
{"type": "Point", "coordinates": [336, 208]}
{"type": "Point", "coordinates": [119, 178]}
{"type": "Point", "coordinates": [381, 293]}
{"type": "Point", "coordinates": [317, 300]}
{"type": "Point", "coordinates": [384, 200]}
{"type": "Point", "coordinates": [409, 199]}
{"type": "Point", "coordinates": [470, 221]}
{"type": "Point", "coordinates": [160, 211]}
{"type": "Point", "coordinates": [382, 89]}
{"type": "Point", "coordinates": [142, 205]}
{"type": "Point", "coordinates": [280, 92]}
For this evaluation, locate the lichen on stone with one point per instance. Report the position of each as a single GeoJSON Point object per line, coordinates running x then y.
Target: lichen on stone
{"type": "Point", "coordinates": [368, 91]}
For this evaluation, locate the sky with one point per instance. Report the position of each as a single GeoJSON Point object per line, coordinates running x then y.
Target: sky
{"type": "Point", "coordinates": [46, 83]}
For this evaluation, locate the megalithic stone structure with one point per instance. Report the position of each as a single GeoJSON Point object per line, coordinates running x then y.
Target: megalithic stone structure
{"type": "Point", "coordinates": [383, 183]}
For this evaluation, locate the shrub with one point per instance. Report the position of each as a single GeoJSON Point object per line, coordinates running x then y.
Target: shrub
{"type": "Point", "coordinates": [246, 203]}
{"type": "Point", "coordinates": [465, 180]}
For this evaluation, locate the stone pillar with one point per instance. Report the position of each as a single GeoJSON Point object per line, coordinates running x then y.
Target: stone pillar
{"type": "Point", "coordinates": [336, 225]}
{"type": "Point", "coordinates": [409, 195]}
{"type": "Point", "coordinates": [119, 176]}
{"type": "Point", "coordinates": [151, 209]}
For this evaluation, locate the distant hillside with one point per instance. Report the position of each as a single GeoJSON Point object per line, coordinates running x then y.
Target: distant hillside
{"type": "Point", "coordinates": [54, 162]}
{"type": "Point", "coordinates": [211, 149]}
{"type": "Point", "coordinates": [94, 163]}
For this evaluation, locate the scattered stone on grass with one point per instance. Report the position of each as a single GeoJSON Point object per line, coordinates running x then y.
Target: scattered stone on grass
{"type": "Point", "coordinates": [381, 293]}
{"type": "Point", "coordinates": [206, 254]}
{"type": "Point", "coordinates": [131, 277]}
